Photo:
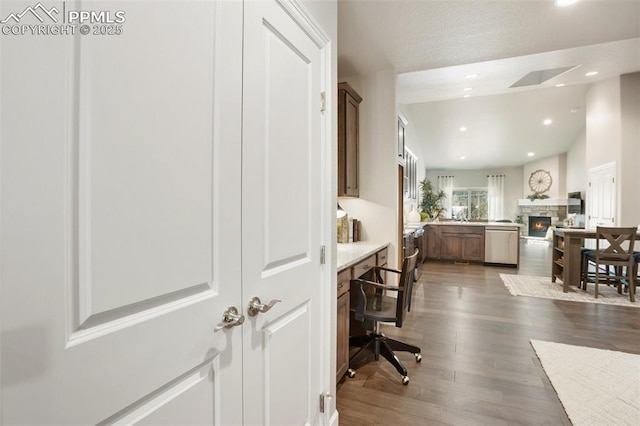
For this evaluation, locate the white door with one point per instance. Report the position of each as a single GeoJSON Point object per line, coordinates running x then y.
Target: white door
{"type": "Point", "coordinates": [124, 184]}
{"type": "Point", "coordinates": [601, 196]}
{"type": "Point", "coordinates": [120, 232]}
{"type": "Point", "coordinates": [281, 231]}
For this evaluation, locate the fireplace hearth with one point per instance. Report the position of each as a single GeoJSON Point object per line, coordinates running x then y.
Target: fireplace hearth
{"type": "Point", "coordinates": [538, 226]}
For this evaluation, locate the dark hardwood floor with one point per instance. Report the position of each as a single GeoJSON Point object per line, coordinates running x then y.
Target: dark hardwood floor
{"type": "Point", "coordinates": [478, 367]}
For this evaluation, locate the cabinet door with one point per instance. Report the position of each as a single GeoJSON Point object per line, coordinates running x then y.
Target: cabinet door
{"type": "Point", "coordinates": [348, 141]}
{"type": "Point", "coordinates": [342, 335]}
{"type": "Point", "coordinates": [472, 247]}
{"type": "Point", "coordinates": [451, 245]}
{"type": "Point", "coordinates": [431, 235]}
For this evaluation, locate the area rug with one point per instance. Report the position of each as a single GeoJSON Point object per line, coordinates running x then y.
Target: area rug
{"type": "Point", "coordinates": [532, 286]}
{"type": "Point", "coordinates": [596, 387]}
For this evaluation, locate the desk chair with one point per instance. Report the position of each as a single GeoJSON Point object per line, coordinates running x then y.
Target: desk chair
{"type": "Point", "coordinates": [614, 265]}
{"type": "Point", "coordinates": [373, 306]}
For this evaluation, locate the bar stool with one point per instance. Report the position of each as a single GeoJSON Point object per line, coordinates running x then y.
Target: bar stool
{"type": "Point", "coordinates": [614, 265]}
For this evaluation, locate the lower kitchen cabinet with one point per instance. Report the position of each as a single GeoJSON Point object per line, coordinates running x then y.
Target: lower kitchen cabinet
{"type": "Point", "coordinates": [455, 242]}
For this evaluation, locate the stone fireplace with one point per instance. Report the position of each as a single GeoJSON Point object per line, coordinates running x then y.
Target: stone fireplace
{"type": "Point", "coordinates": [555, 209]}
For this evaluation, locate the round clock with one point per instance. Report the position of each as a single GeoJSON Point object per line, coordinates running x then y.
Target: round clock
{"type": "Point", "coordinates": [540, 181]}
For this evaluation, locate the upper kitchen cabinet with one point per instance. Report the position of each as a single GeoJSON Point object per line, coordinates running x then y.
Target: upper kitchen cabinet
{"type": "Point", "coordinates": [348, 134]}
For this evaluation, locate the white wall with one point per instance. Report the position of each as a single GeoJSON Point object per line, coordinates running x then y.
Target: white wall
{"type": "Point", "coordinates": [630, 149]}
{"type": "Point", "coordinates": [576, 161]}
{"type": "Point", "coordinates": [612, 136]}
{"type": "Point", "coordinates": [603, 123]}
{"type": "Point", "coordinates": [478, 178]}
{"type": "Point", "coordinates": [556, 166]}
{"type": "Point", "coordinates": [377, 205]}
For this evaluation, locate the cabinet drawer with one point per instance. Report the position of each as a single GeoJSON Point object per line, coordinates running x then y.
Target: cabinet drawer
{"type": "Point", "coordinates": [381, 257]}
{"type": "Point", "coordinates": [344, 281]}
{"type": "Point", "coordinates": [364, 266]}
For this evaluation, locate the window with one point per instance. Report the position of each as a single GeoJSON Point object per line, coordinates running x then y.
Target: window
{"type": "Point", "coordinates": [469, 203]}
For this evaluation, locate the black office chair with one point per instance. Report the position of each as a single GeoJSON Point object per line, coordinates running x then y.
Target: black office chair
{"type": "Point", "coordinates": [373, 306]}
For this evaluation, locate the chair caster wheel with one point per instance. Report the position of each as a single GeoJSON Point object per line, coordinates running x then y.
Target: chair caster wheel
{"type": "Point", "coordinates": [405, 380]}
{"type": "Point", "coordinates": [351, 373]}
{"type": "Point", "coordinates": [418, 357]}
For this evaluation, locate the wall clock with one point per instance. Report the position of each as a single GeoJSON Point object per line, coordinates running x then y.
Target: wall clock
{"type": "Point", "coordinates": [540, 181]}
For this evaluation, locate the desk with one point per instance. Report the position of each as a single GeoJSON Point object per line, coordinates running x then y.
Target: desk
{"type": "Point", "coordinates": [567, 247]}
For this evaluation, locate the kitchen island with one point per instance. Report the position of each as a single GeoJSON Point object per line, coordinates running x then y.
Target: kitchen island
{"type": "Point", "coordinates": [480, 242]}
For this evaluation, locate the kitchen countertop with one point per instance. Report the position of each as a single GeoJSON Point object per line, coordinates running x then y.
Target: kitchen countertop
{"type": "Point", "coordinates": [450, 223]}
{"type": "Point", "coordinates": [348, 254]}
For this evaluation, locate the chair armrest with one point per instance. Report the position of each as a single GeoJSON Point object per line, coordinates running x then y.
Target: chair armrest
{"type": "Point", "coordinates": [362, 296]}
{"type": "Point", "coordinates": [377, 285]}
{"type": "Point", "coordinates": [388, 269]}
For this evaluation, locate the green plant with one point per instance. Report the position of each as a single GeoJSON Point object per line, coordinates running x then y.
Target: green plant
{"type": "Point", "coordinates": [536, 196]}
{"type": "Point", "coordinates": [431, 200]}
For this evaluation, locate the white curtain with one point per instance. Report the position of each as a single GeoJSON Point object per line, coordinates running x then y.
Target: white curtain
{"type": "Point", "coordinates": [495, 195]}
{"type": "Point", "coordinates": [445, 183]}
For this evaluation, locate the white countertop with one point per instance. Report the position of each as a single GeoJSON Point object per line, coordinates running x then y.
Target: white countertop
{"type": "Point", "coordinates": [348, 254]}
{"type": "Point", "coordinates": [450, 223]}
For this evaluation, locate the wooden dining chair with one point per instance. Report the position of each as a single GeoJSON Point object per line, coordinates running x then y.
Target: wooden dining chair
{"type": "Point", "coordinates": [613, 259]}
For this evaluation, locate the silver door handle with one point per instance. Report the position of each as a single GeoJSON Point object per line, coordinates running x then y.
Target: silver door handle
{"type": "Point", "coordinates": [256, 306]}
{"type": "Point", "coordinates": [231, 318]}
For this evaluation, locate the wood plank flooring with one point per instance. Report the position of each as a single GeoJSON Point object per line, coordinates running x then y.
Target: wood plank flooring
{"type": "Point", "coordinates": [478, 367]}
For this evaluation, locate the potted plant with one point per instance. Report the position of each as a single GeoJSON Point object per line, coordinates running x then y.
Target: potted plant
{"type": "Point", "coordinates": [431, 200]}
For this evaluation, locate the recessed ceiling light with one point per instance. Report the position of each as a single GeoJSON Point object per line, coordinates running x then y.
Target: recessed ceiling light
{"type": "Point", "coordinates": [530, 154]}
{"type": "Point", "coordinates": [574, 110]}
{"type": "Point", "coordinates": [563, 3]}
{"type": "Point", "coordinates": [591, 73]}
{"type": "Point", "coordinates": [471, 76]}
{"type": "Point", "coordinates": [547, 121]}
{"type": "Point", "coordinates": [466, 96]}
{"type": "Point", "coordinates": [463, 157]}
{"type": "Point", "coordinates": [463, 129]}
{"type": "Point", "coordinates": [468, 89]}
{"type": "Point", "coordinates": [560, 85]}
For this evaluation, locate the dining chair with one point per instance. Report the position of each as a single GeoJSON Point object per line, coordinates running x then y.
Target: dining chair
{"type": "Point", "coordinates": [613, 260]}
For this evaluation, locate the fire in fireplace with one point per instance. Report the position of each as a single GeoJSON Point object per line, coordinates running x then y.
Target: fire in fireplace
{"type": "Point", "coordinates": [538, 226]}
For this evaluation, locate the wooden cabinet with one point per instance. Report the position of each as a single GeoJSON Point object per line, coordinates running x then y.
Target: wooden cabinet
{"type": "Point", "coordinates": [348, 141]}
{"type": "Point", "coordinates": [342, 323]}
{"type": "Point", "coordinates": [455, 242]}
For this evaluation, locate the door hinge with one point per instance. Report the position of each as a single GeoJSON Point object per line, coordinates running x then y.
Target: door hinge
{"type": "Point", "coordinates": [613, 180]}
{"type": "Point", "coordinates": [323, 101]}
{"type": "Point", "coordinates": [322, 255]}
{"type": "Point", "coordinates": [325, 399]}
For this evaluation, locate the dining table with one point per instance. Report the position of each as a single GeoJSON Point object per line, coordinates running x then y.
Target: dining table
{"type": "Point", "coordinates": [567, 249]}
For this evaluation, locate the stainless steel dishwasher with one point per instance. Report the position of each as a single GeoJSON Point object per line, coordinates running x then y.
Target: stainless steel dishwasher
{"type": "Point", "coordinates": [502, 245]}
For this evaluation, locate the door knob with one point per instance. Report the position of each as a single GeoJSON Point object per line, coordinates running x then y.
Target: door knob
{"type": "Point", "coordinates": [231, 318]}
{"type": "Point", "coordinates": [256, 306]}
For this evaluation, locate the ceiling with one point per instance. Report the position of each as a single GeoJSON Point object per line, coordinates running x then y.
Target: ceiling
{"type": "Point", "coordinates": [434, 45]}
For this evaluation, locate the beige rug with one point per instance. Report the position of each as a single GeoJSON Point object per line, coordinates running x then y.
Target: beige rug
{"type": "Point", "coordinates": [596, 387]}
{"type": "Point", "coordinates": [532, 286]}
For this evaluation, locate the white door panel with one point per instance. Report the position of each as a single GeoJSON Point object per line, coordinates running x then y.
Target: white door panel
{"type": "Point", "coordinates": [281, 236]}
{"type": "Point", "coordinates": [118, 256]}
{"type": "Point", "coordinates": [601, 197]}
